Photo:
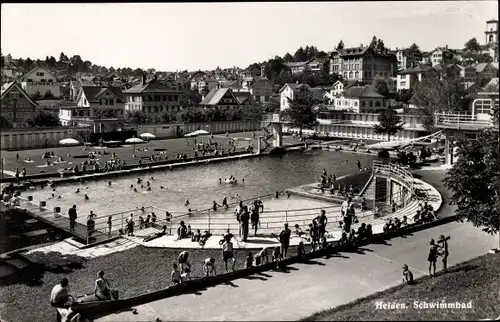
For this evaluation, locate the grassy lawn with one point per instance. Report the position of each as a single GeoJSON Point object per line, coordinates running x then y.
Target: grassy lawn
{"type": "Point", "coordinates": [173, 146]}
{"type": "Point", "coordinates": [132, 272]}
{"type": "Point", "coordinates": [477, 280]}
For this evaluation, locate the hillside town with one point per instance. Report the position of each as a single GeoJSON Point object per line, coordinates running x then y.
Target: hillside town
{"type": "Point", "coordinates": [365, 79]}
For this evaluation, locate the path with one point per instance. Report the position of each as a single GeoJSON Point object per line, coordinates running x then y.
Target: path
{"type": "Point", "coordinates": [309, 288]}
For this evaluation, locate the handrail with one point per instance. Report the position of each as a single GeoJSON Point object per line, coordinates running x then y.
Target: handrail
{"type": "Point", "coordinates": [458, 119]}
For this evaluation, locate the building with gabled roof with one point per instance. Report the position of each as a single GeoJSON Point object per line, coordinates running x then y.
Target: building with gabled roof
{"type": "Point", "coordinates": [407, 79]}
{"type": "Point", "coordinates": [361, 99]}
{"type": "Point", "coordinates": [41, 81]}
{"type": "Point", "coordinates": [222, 98]}
{"type": "Point", "coordinates": [244, 98]}
{"type": "Point", "coordinates": [16, 105]}
{"type": "Point", "coordinates": [292, 91]}
{"type": "Point", "coordinates": [152, 97]}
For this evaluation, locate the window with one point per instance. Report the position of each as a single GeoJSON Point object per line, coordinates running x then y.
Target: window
{"type": "Point", "coordinates": [111, 101]}
{"type": "Point", "coordinates": [51, 80]}
{"type": "Point", "coordinates": [403, 84]}
{"type": "Point", "coordinates": [164, 98]}
{"type": "Point", "coordinates": [257, 98]}
{"type": "Point", "coordinates": [100, 102]}
{"type": "Point", "coordinates": [40, 74]}
{"type": "Point", "coordinates": [377, 104]}
{"type": "Point", "coordinates": [471, 135]}
{"type": "Point", "coordinates": [355, 103]}
{"type": "Point", "coordinates": [30, 80]}
{"type": "Point", "coordinates": [371, 103]}
{"type": "Point", "coordinates": [169, 98]}
{"type": "Point", "coordinates": [363, 103]}
{"type": "Point", "coordinates": [157, 98]}
{"type": "Point", "coordinates": [43, 80]}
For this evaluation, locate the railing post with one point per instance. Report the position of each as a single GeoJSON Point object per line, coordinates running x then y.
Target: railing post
{"type": "Point", "coordinates": [209, 220]}
{"type": "Point", "coordinates": [122, 220]}
{"type": "Point", "coordinates": [286, 216]}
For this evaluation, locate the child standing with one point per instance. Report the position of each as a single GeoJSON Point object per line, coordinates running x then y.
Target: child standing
{"type": "Point", "coordinates": [176, 275]}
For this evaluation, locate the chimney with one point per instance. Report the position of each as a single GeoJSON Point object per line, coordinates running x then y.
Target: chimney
{"type": "Point", "coordinates": [143, 79]}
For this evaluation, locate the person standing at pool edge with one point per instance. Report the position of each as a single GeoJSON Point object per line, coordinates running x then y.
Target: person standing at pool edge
{"type": "Point", "coordinates": [72, 218]}
{"type": "Point", "coordinates": [284, 238]}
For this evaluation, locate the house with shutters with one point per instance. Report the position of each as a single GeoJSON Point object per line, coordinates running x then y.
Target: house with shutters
{"type": "Point", "coordinates": [292, 91]}
{"type": "Point", "coordinates": [41, 81]}
{"type": "Point", "coordinates": [361, 99]}
{"type": "Point", "coordinates": [16, 106]}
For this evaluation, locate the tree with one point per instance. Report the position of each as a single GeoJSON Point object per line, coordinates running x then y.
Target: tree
{"type": "Point", "coordinates": [380, 45]}
{"type": "Point", "coordinates": [433, 95]}
{"type": "Point", "coordinates": [414, 47]}
{"type": "Point", "coordinates": [252, 113]}
{"type": "Point", "coordinates": [472, 45]}
{"type": "Point", "coordinates": [373, 43]}
{"type": "Point", "coordinates": [63, 58]}
{"type": "Point", "coordinates": [48, 95]}
{"type": "Point", "coordinates": [491, 88]}
{"type": "Point", "coordinates": [381, 86]}
{"type": "Point", "coordinates": [300, 113]}
{"type": "Point", "coordinates": [340, 45]}
{"type": "Point", "coordinates": [27, 65]}
{"type": "Point", "coordinates": [288, 58]}
{"type": "Point", "coordinates": [44, 118]}
{"type": "Point", "coordinates": [474, 180]}
{"type": "Point", "coordinates": [189, 97]}
{"type": "Point", "coordinates": [300, 55]}
{"type": "Point", "coordinates": [138, 117]}
{"type": "Point", "coordinates": [36, 96]}
{"type": "Point", "coordinates": [389, 123]}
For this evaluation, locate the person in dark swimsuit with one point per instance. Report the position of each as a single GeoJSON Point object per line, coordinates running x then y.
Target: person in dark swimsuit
{"type": "Point", "coordinates": [432, 258]}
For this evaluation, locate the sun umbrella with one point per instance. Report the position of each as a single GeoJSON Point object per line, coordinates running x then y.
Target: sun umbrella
{"type": "Point", "coordinates": [191, 134]}
{"type": "Point", "coordinates": [134, 141]}
{"type": "Point", "coordinates": [147, 136]}
{"type": "Point", "coordinates": [201, 132]}
{"type": "Point", "coordinates": [69, 141]}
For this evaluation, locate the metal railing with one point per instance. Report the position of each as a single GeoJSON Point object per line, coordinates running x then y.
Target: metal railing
{"type": "Point", "coordinates": [273, 118]}
{"type": "Point", "coordinates": [390, 169]}
{"type": "Point", "coordinates": [460, 120]}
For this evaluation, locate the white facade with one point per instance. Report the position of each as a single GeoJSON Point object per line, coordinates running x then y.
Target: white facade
{"type": "Point", "coordinates": [42, 81]}
{"type": "Point", "coordinates": [337, 89]}
{"type": "Point", "coordinates": [286, 93]}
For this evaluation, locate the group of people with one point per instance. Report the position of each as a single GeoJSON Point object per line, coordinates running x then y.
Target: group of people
{"type": "Point", "coordinates": [184, 231]}
{"type": "Point", "coordinates": [248, 215]}
{"type": "Point", "coordinates": [64, 301]}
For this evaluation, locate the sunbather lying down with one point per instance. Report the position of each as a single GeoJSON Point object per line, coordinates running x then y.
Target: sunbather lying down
{"type": "Point", "coordinates": [156, 235]}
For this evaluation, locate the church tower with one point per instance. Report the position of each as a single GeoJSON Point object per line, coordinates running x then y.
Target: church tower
{"type": "Point", "coordinates": [491, 32]}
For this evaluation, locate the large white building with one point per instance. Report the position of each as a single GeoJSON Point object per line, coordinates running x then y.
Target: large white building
{"type": "Point", "coordinates": [292, 91]}
{"type": "Point", "coordinates": [40, 80]}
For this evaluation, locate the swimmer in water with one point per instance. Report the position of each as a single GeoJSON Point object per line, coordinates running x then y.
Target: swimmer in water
{"type": "Point", "coordinates": [220, 180]}
{"type": "Point", "coordinates": [162, 187]}
{"type": "Point", "coordinates": [149, 188]}
{"type": "Point", "coordinates": [86, 197]}
{"type": "Point", "coordinates": [77, 190]}
{"type": "Point", "coordinates": [186, 203]}
{"type": "Point", "coordinates": [53, 195]}
{"type": "Point", "coordinates": [242, 180]}
{"type": "Point", "coordinates": [135, 189]}
{"type": "Point", "coordinates": [148, 184]}
{"type": "Point", "coordinates": [139, 180]}
{"type": "Point", "coordinates": [59, 197]}
{"type": "Point", "coordinates": [109, 183]}
{"type": "Point", "coordinates": [131, 186]}
{"type": "Point", "coordinates": [142, 186]}
{"type": "Point", "coordinates": [152, 179]}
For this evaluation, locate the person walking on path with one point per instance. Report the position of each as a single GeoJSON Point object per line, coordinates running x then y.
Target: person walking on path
{"type": "Point", "coordinates": [432, 258]}
{"type": "Point", "coordinates": [72, 218]}
{"type": "Point", "coordinates": [284, 238]}
{"type": "Point", "coordinates": [443, 247]}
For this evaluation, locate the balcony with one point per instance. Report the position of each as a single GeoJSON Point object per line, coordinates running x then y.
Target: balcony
{"type": "Point", "coordinates": [459, 121]}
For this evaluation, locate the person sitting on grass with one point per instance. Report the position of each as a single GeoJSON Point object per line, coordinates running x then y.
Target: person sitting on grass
{"type": "Point", "coordinates": [184, 265]}
{"type": "Point", "coordinates": [209, 267]}
{"type": "Point", "coordinates": [175, 276]}
{"type": "Point", "coordinates": [102, 289]}
{"type": "Point", "coordinates": [182, 231]}
{"type": "Point", "coordinates": [249, 260]}
{"type": "Point", "coordinates": [61, 298]}
{"type": "Point", "coordinates": [407, 276]}
{"type": "Point", "coordinates": [156, 235]}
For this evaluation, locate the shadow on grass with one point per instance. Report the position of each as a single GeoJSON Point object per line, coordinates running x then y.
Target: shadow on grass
{"type": "Point", "coordinates": [255, 277]}
{"type": "Point", "coordinates": [314, 262]}
{"type": "Point", "coordinates": [38, 263]}
{"type": "Point", "coordinates": [230, 283]}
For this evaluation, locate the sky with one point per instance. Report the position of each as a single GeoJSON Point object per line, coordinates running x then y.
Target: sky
{"type": "Point", "coordinates": [192, 36]}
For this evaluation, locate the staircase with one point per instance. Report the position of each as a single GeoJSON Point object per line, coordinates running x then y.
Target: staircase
{"type": "Point", "coordinates": [368, 190]}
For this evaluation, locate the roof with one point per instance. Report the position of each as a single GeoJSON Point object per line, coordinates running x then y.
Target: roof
{"type": "Point", "coordinates": [492, 20]}
{"type": "Point", "coordinates": [481, 66]}
{"type": "Point", "coordinates": [492, 82]}
{"type": "Point", "coordinates": [38, 67]}
{"type": "Point", "coordinates": [93, 92]}
{"type": "Point", "coordinates": [421, 68]}
{"type": "Point", "coordinates": [295, 86]}
{"type": "Point", "coordinates": [242, 97]}
{"type": "Point", "coordinates": [231, 84]}
{"type": "Point", "coordinates": [9, 86]}
{"type": "Point", "coordinates": [318, 92]}
{"type": "Point", "coordinates": [362, 92]}
{"type": "Point", "coordinates": [153, 86]}
{"type": "Point", "coordinates": [214, 96]}
{"type": "Point", "coordinates": [296, 64]}
{"type": "Point", "coordinates": [353, 51]}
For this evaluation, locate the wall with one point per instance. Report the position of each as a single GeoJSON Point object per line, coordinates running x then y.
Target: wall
{"type": "Point", "coordinates": [170, 130]}
{"type": "Point", "coordinates": [32, 88]}
{"type": "Point", "coordinates": [38, 138]}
